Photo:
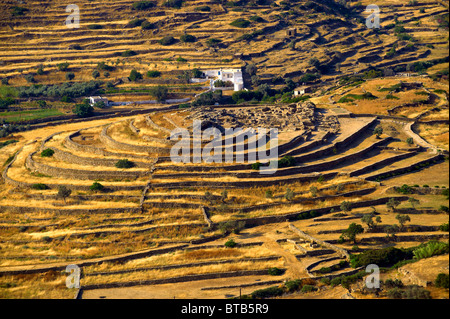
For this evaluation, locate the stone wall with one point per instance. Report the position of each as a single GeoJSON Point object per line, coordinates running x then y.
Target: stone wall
{"type": "Point", "coordinates": [70, 144]}
{"type": "Point", "coordinates": [302, 234]}
{"type": "Point", "coordinates": [186, 278]}
{"type": "Point", "coordinates": [110, 142]}
{"type": "Point", "coordinates": [242, 184]}
{"type": "Point", "coordinates": [381, 163]}
{"type": "Point", "coordinates": [92, 161]}
{"type": "Point", "coordinates": [406, 169]}
{"type": "Point", "coordinates": [81, 174]}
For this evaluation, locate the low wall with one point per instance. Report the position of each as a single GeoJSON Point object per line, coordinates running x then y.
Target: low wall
{"type": "Point", "coordinates": [72, 145]}
{"type": "Point", "coordinates": [242, 184]}
{"type": "Point", "coordinates": [92, 161]}
{"type": "Point", "coordinates": [302, 234]}
{"type": "Point", "coordinates": [81, 174]}
{"type": "Point", "coordinates": [338, 146]}
{"type": "Point", "coordinates": [110, 142]}
{"type": "Point", "coordinates": [62, 211]}
{"type": "Point", "coordinates": [381, 163]}
{"type": "Point", "coordinates": [257, 221]}
{"type": "Point", "coordinates": [121, 258]}
{"type": "Point", "coordinates": [186, 278]}
{"type": "Point", "coordinates": [178, 266]}
{"type": "Point", "coordinates": [406, 169]}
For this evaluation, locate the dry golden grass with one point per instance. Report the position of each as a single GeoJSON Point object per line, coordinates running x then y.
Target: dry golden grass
{"type": "Point", "coordinates": [159, 274]}
{"type": "Point", "coordinates": [49, 285]}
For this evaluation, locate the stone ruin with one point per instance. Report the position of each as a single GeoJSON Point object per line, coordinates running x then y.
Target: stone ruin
{"type": "Point", "coordinates": [291, 117]}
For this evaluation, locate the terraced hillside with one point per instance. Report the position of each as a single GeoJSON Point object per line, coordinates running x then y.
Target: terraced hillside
{"type": "Point", "coordinates": [125, 231]}
{"type": "Point", "coordinates": [367, 144]}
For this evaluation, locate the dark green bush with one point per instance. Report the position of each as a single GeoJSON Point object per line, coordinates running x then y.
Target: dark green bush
{"type": "Point", "coordinates": [168, 40]}
{"type": "Point", "coordinates": [39, 186]}
{"type": "Point", "coordinates": [384, 257]}
{"type": "Point", "coordinates": [267, 293]}
{"type": "Point", "coordinates": [143, 5]}
{"type": "Point", "coordinates": [153, 74]}
{"type": "Point", "coordinates": [47, 152]}
{"type": "Point", "coordinates": [124, 163]}
{"type": "Point", "coordinates": [308, 288]}
{"type": "Point", "coordinates": [95, 26]}
{"type": "Point", "coordinates": [240, 23]}
{"type": "Point", "coordinates": [230, 243]}
{"type": "Point", "coordinates": [96, 186]}
{"type": "Point", "coordinates": [187, 38]}
{"type": "Point", "coordinates": [274, 271]}
{"type": "Point", "coordinates": [442, 281]}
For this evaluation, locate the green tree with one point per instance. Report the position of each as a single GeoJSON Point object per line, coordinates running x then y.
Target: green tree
{"type": "Point", "coordinates": [410, 141]}
{"type": "Point", "coordinates": [413, 202]}
{"type": "Point", "coordinates": [64, 192]}
{"type": "Point", "coordinates": [135, 75]}
{"type": "Point", "coordinates": [378, 131]}
{"type": "Point", "coordinates": [83, 110]}
{"type": "Point", "coordinates": [402, 219]}
{"type": "Point", "coordinates": [313, 190]}
{"type": "Point", "coordinates": [70, 76]}
{"type": "Point", "coordinates": [346, 206]}
{"type": "Point", "coordinates": [351, 232]}
{"type": "Point", "coordinates": [368, 219]}
{"type": "Point", "coordinates": [289, 195]}
{"type": "Point", "coordinates": [392, 204]}
{"type": "Point", "coordinates": [160, 93]}
{"type": "Point", "coordinates": [95, 74]}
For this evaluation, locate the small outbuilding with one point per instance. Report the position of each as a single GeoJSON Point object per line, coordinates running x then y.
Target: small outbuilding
{"type": "Point", "coordinates": [302, 90]}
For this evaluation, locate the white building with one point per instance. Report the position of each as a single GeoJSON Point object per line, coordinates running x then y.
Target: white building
{"type": "Point", "coordinates": [233, 75]}
{"type": "Point", "coordinates": [302, 90]}
{"type": "Point", "coordinates": [95, 99]}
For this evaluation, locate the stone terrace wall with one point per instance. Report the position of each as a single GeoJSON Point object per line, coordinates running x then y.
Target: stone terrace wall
{"type": "Point", "coordinates": [302, 234]}
{"type": "Point", "coordinates": [406, 169]}
{"type": "Point", "coordinates": [242, 184]}
{"type": "Point", "coordinates": [81, 174]}
{"type": "Point", "coordinates": [381, 163]}
{"type": "Point", "coordinates": [92, 161]}
{"type": "Point", "coordinates": [186, 278]}
{"type": "Point", "coordinates": [70, 144]}
{"type": "Point", "coordinates": [337, 145]}
{"type": "Point", "coordinates": [257, 221]}
{"type": "Point", "coordinates": [110, 142]}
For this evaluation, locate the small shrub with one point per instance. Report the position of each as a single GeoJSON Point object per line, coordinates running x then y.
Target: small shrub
{"type": "Point", "coordinates": [240, 23]}
{"type": "Point", "coordinates": [39, 186]}
{"type": "Point", "coordinates": [168, 40]}
{"type": "Point", "coordinates": [143, 5]}
{"type": "Point", "coordinates": [135, 75]}
{"type": "Point", "coordinates": [397, 283]}
{"type": "Point", "coordinates": [47, 152]}
{"type": "Point", "coordinates": [128, 53]}
{"type": "Point", "coordinates": [267, 292]}
{"type": "Point", "coordinates": [441, 281]}
{"type": "Point", "coordinates": [274, 271]}
{"type": "Point", "coordinates": [187, 38]}
{"type": "Point", "coordinates": [308, 288]}
{"type": "Point", "coordinates": [153, 74]}
{"type": "Point", "coordinates": [147, 25]}
{"type": "Point", "coordinates": [230, 243]}
{"type": "Point", "coordinates": [63, 66]}
{"type": "Point", "coordinates": [95, 26]}
{"type": "Point", "coordinates": [96, 187]}
{"type": "Point", "coordinates": [124, 163]}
